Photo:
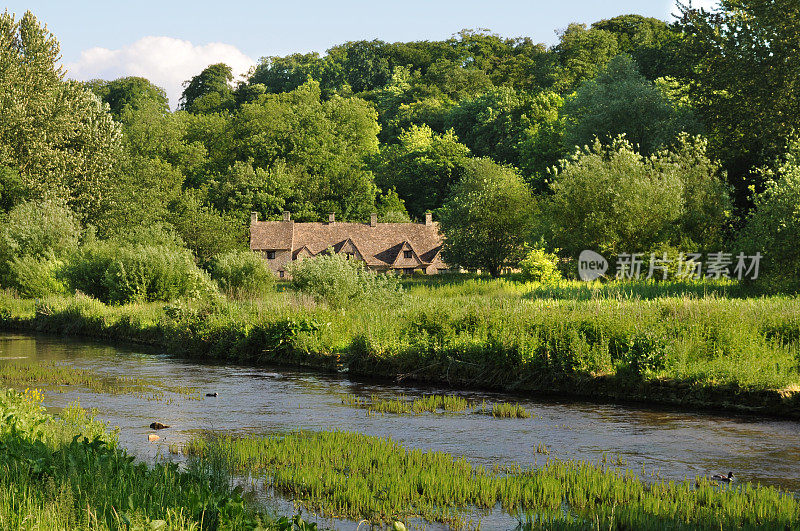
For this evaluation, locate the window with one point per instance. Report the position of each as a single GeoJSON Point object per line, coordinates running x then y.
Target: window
{"type": "Point", "coordinates": [350, 255]}
{"type": "Point", "coordinates": [409, 271]}
{"type": "Point", "coordinates": [270, 255]}
{"type": "Point", "coordinates": [281, 273]}
{"type": "Point", "coordinates": [408, 254]}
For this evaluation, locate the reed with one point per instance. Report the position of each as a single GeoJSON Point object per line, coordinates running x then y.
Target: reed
{"type": "Point", "coordinates": [67, 473]}
{"type": "Point", "coordinates": [360, 477]}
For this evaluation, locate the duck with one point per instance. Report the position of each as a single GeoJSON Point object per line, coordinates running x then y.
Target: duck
{"type": "Point", "coordinates": [211, 394]}
{"type": "Point", "coordinates": [158, 426]}
{"type": "Point", "coordinates": [726, 479]}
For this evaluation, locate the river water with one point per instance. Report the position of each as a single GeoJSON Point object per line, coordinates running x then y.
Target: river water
{"type": "Point", "coordinates": [668, 442]}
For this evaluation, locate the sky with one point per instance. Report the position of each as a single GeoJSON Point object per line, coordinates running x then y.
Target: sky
{"type": "Point", "coordinates": [169, 41]}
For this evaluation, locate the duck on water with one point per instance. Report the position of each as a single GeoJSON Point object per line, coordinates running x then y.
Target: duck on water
{"type": "Point", "coordinates": [726, 479]}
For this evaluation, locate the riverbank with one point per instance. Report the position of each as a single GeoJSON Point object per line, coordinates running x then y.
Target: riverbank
{"type": "Point", "coordinates": [736, 354]}
{"type": "Point", "coordinates": [67, 472]}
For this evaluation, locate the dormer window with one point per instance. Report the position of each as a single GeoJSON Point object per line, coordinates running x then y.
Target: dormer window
{"type": "Point", "coordinates": [350, 255]}
{"type": "Point", "coordinates": [270, 255]}
{"type": "Point", "coordinates": [408, 254]}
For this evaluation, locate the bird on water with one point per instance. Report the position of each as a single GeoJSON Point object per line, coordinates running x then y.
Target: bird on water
{"type": "Point", "coordinates": [720, 477]}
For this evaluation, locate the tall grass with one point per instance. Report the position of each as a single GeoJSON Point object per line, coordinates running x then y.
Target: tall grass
{"type": "Point", "coordinates": [67, 473]}
{"type": "Point", "coordinates": [683, 343]}
{"type": "Point", "coordinates": [356, 476]}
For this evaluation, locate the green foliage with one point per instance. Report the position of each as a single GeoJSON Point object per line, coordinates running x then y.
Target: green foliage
{"type": "Point", "coordinates": [35, 277]}
{"type": "Point", "coordinates": [242, 274]}
{"type": "Point", "coordinates": [119, 273]}
{"type": "Point", "coordinates": [422, 167]}
{"type": "Point", "coordinates": [613, 200]}
{"type": "Point", "coordinates": [36, 235]}
{"type": "Point", "coordinates": [581, 54]}
{"type": "Point", "coordinates": [540, 266]}
{"type": "Point", "coordinates": [741, 61]}
{"type": "Point", "coordinates": [339, 281]}
{"type": "Point", "coordinates": [56, 134]}
{"type": "Point", "coordinates": [487, 220]}
{"type": "Point", "coordinates": [209, 91]}
{"type": "Point", "coordinates": [621, 101]}
{"type": "Point", "coordinates": [774, 228]}
{"type": "Point", "coordinates": [205, 231]}
{"type": "Point", "coordinates": [324, 144]}
{"type": "Point", "coordinates": [129, 92]}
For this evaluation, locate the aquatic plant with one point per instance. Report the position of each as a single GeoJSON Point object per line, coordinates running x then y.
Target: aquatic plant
{"type": "Point", "coordinates": [350, 475]}
{"type": "Point", "coordinates": [48, 372]}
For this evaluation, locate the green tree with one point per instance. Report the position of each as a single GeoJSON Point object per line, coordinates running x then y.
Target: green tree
{"type": "Point", "coordinates": [773, 229]}
{"type": "Point", "coordinates": [613, 200]}
{"type": "Point", "coordinates": [486, 223]}
{"type": "Point", "coordinates": [742, 62]}
{"type": "Point", "coordinates": [127, 92]}
{"type": "Point", "coordinates": [581, 54]}
{"type": "Point", "coordinates": [621, 101]}
{"type": "Point", "coordinates": [205, 231]}
{"type": "Point", "coordinates": [55, 134]}
{"type": "Point", "coordinates": [209, 91]}
{"type": "Point", "coordinates": [421, 167]}
{"type": "Point", "coordinates": [652, 43]}
{"type": "Point", "coordinates": [325, 143]}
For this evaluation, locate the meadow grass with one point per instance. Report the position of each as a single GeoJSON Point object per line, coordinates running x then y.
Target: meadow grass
{"type": "Point", "coordinates": [697, 344]}
{"type": "Point", "coordinates": [30, 374]}
{"type": "Point", "coordinates": [355, 476]}
{"type": "Point", "coordinates": [67, 473]}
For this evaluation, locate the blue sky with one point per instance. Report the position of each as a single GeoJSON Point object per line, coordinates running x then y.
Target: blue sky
{"type": "Point", "coordinates": [110, 39]}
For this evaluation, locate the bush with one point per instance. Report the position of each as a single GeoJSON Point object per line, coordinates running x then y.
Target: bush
{"type": "Point", "coordinates": [339, 281]}
{"type": "Point", "coordinates": [540, 266]}
{"type": "Point", "coordinates": [41, 231]}
{"type": "Point", "coordinates": [34, 277]}
{"type": "Point", "coordinates": [613, 200]}
{"type": "Point", "coordinates": [116, 273]}
{"type": "Point", "coordinates": [242, 274]}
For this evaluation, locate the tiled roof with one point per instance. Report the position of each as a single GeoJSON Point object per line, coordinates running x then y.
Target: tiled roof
{"type": "Point", "coordinates": [379, 244]}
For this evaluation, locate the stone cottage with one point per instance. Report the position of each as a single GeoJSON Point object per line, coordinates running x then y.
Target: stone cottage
{"type": "Point", "coordinates": [386, 247]}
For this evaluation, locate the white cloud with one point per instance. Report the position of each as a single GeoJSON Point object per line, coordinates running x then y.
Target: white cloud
{"type": "Point", "coordinates": [165, 61]}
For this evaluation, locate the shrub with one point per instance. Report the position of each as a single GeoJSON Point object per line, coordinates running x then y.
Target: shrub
{"type": "Point", "coordinates": [339, 281]}
{"type": "Point", "coordinates": [34, 277]}
{"type": "Point", "coordinates": [242, 274]}
{"type": "Point", "coordinates": [42, 231]}
{"type": "Point", "coordinates": [116, 273]}
{"type": "Point", "coordinates": [540, 266]}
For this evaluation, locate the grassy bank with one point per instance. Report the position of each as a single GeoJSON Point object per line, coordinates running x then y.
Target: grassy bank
{"type": "Point", "coordinates": [66, 473]}
{"type": "Point", "coordinates": [356, 476]}
{"type": "Point", "coordinates": [686, 344]}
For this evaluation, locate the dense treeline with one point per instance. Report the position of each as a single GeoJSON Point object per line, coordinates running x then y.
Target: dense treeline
{"type": "Point", "coordinates": [707, 105]}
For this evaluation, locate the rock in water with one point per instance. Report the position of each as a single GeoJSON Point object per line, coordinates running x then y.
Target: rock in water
{"type": "Point", "coordinates": [153, 437]}
{"type": "Point", "coordinates": [158, 426]}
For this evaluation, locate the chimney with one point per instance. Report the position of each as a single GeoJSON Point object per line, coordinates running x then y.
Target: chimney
{"type": "Point", "coordinates": [253, 217]}
{"type": "Point", "coordinates": [332, 218]}
{"type": "Point", "coordinates": [428, 219]}
{"type": "Point", "coordinates": [287, 216]}
{"type": "Point", "coordinates": [373, 220]}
